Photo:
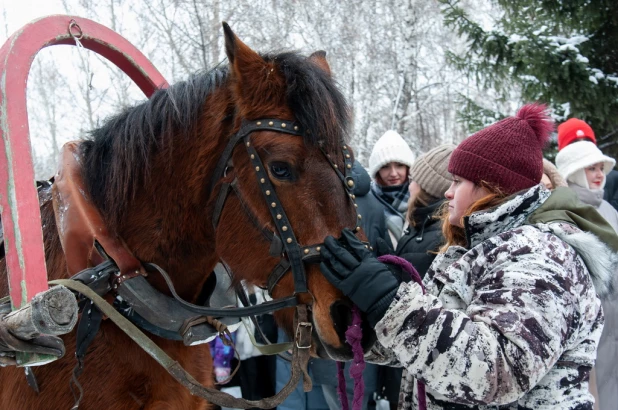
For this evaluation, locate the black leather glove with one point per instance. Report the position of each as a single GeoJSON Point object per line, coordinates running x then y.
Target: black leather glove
{"type": "Point", "coordinates": [9, 345]}
{"type": "Point", "coordinates": [384, 248]}
{"type": "Point", "coordinates": [353, 269]}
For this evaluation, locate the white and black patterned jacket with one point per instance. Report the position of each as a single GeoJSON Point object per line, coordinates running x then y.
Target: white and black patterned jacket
{"type": "Point", "coordinates": [513, 322]}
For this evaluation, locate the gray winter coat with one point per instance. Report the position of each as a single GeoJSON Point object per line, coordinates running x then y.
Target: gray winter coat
{"type": "Point", "coordinates": [607, 355]}
{"type": "Point", "coordinates": [511, 322]}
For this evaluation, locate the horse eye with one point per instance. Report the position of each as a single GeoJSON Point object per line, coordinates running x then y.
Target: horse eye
{"type": "Point", "coordinates": [281, 170]}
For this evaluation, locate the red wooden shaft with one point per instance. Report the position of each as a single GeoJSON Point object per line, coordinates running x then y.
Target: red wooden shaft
{"type": "Point", "coordinates": [19, 205]}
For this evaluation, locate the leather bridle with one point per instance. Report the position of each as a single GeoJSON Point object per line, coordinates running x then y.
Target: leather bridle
{"type": "Point", "coordinates": [145, 300]}
{"type": "Point", "coordinates": [284, 244]}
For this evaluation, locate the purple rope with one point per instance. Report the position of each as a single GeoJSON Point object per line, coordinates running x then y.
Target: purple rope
{"type": "Point", "coordinates": [343, 398]}
{"type": "Point", "coordinates": [353, 336]}
{"type": "Point", "coordinates": [408, 267]}
{"type": "Point", "coordinates": [405, 265]}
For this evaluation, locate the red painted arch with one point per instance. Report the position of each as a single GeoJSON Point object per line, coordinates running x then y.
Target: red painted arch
{"type": "Point", "coordinates": [19, 205]}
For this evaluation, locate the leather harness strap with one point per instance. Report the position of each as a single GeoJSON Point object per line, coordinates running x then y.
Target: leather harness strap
{"type": "Point", "coordinates": [300, 354]}
{"type": "Point", "coordinates": [80, 224]}
{"type": "Point", "coordinates": [265, 307]}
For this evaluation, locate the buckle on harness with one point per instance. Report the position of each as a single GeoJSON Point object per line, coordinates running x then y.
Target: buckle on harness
{"type": "Point", "coordinates": [303, 344]}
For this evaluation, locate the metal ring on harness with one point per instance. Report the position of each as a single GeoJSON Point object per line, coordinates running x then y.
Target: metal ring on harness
{"type": "Point", "coordinates": [73, 25]}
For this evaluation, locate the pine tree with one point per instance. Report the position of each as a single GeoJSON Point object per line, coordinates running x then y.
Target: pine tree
{"type": "Point", "coordinates": [561, 52]}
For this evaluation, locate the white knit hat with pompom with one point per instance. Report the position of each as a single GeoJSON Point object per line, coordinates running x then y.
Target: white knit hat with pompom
{"type": "Point", "coordinates": [389, 148]}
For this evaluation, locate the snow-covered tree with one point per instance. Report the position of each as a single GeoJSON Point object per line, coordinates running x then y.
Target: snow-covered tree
{"type": "Point", "coordinates": [388, 57]}
{"type": "Point", "coordinates": [564, 53]}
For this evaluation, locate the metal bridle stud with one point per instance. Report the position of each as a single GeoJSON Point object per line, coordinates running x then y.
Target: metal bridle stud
{"type": "Point", "coordinates": [283, 228]}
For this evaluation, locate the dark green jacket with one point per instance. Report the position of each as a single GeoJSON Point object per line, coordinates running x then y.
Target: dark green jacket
{"type": "Point", "coordinates": [563, 205]}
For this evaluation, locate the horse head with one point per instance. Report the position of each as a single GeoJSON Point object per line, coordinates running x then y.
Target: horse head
{"type": "Point", "coordinates": [156, 172]}
{"type": "Point", "coordinates": [301, 171]}
{"type": "Point", "coordinates": [154, 175]}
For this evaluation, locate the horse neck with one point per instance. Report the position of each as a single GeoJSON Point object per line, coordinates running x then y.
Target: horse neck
{"type": "Point", "coordinates": [168, 222]}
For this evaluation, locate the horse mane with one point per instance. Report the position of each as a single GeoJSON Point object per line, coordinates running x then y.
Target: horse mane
{"type": "Point", "coordinates": [315, 100]}
{"type": "Point", "coordinates": [116, 156]}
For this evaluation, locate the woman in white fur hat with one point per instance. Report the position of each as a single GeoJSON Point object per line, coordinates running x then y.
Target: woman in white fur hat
{"type": "Point", "coordinates": [584, 167]}
{"type": "Point", "coordinates": [389, 166]}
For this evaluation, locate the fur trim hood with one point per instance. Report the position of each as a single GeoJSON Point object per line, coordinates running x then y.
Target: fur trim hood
{"type": "Point", "coordinates": [589, 233]}
{"type": "Point", "coordinates": [552, 172]}
{"type": "Point", "coordinates": [601, 261]}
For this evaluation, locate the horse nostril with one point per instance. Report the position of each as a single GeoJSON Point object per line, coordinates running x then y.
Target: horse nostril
{"type": "Point", "coordinates": [341, 313]}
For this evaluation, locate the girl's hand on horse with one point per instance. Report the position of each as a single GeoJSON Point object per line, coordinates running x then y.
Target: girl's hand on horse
{"type": "Point", "coordinates": [352, 268]}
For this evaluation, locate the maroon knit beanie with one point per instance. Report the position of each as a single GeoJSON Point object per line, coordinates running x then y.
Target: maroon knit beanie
{"type": "Point", "coordinates": [507, 154]}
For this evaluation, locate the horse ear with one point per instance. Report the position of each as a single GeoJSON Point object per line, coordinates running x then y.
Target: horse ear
{"type": "Point", "coordinates": [319, 59]}
{"type": "Point", "coordinates": [230, 42]}
{"type": "Point", "coordinates": [238, 53]}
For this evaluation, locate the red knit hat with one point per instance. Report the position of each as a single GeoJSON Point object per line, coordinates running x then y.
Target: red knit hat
{"type": "Point", "coordinates": [571, 130]}
{"type": "Point", "coordinates": [507, 154]}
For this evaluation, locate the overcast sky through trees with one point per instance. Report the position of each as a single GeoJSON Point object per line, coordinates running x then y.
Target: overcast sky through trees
{"type": "Point", "coordinates": [387, 56]}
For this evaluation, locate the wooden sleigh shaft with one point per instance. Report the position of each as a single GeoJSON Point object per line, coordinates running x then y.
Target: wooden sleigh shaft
{"type": "Point", "coordinates": [19, 205]}
{"type": "Point", "coordinates": [52, 312]}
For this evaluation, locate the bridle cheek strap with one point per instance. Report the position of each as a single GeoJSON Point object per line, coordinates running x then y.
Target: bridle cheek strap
{"type": "Point", "coordinates": [280, 220]}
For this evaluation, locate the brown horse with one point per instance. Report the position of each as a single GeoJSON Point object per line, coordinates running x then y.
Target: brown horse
{"type": "Point", "coordinates": [148, 171]}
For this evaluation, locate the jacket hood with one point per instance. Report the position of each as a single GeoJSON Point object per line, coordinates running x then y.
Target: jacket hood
{"type": "Point", "coordinates": [561, 213]}
{"type": "Point", "coordinates": [552, 172]}
{"type": "Point", "coordinates": [362, 180]}
{"type": "Point", "coordinates": [564, 205]}
{"type": "Point", "coordinates": [594, 240]}
{"type": "Point", "coordinates": [428, 212]}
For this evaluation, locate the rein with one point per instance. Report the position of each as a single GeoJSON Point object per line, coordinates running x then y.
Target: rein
{"type": "Point", "coordinates": [300, 354]}
{"type": "Point", "coordinates": [415, 277]}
